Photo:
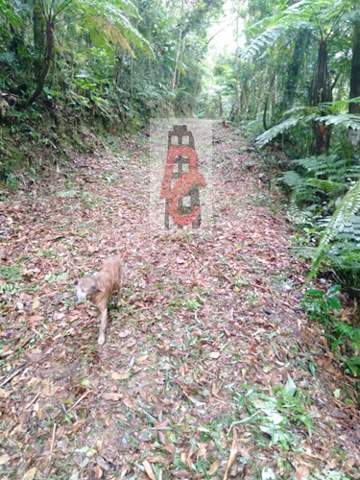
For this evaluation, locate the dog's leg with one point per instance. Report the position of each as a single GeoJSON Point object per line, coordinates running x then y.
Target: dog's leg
{"type": "Point", "coordinates": [103, 323]}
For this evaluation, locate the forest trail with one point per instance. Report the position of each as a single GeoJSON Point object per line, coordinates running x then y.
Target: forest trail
{"type": "Point", "coordinates": [210, 369]}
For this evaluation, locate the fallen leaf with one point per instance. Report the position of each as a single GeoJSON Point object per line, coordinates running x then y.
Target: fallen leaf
{"type": "Point", "coordinates": [130, 343]}
{"type": "Point", "coordinates": [35, 320]}
{"type": "Point", "coordinates": [214, 355]}
{"type": "Point", "coordinates": [148, 470]}
{"type": "Point", "coordinates": [181, 474]}
{"type": "Point", "coordinates": [120, 375]}
{"type": "Point", "coordinates": [102, 463]}
{"type": "Point", "coordinates": [215, 389]}
{"type": "Point", "coordinates": [4, 458]}
{"type": "Point", "coordinates": [158, 459]}
{"type": "Point", "coordinates": [66, 194]}
{"type": "Point", "coordinates": [214, 467]}
{"type": "Point", "coordinates": [233, 454]}
{"type": "Point", "coordinates": [187, 458]}
{"type": "Point", "coordinates": [98, 472]}
{"type": "Point", "coordinates": [30, 474]}
{"type": "Point", "coordinates": [142, 359]}
{"type": "Point", "coordinates": [268, 474]}
{"type": "Point", "coordinates": [74, 475]}
{"type": "Point", "coordinates": [112, 396]}
{"type": "Point", "coordinates": [302, 473]}
{"type": "Point", "coordinates": [4, 393]}
{"type": "Point", "coordinates": [128, 403]}
{"type": "Point", "coordinates": [202, 450]}
{"type": "Point", "coordinates": [124, 333]}
{"type": "Point", "coordinates": [162, 425]}
{"type": "Point", "coordinates": [36, 303]}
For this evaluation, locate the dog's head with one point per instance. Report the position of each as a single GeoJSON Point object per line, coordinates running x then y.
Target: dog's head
{"type": "Point", "coordinates": [85, 287]}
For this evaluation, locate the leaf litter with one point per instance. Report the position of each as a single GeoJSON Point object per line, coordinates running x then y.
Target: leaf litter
{"type": "Point", "coordinates": [210, 369]}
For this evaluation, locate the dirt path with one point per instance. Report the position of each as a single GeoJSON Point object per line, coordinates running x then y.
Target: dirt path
{"type": "Point", "coordinates": [210, 369]}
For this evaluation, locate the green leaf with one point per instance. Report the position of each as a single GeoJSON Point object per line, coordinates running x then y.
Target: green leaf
{"type": "Point", "coordinates": [290, 387]}
{"type": "Point", "coordinates": [109, 20]}
{"type": "Point", "coordinates": [348, 207]}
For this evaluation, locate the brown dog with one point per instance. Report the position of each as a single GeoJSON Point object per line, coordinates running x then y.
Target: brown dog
{"type": "Point", "coordinates": [99, 288]}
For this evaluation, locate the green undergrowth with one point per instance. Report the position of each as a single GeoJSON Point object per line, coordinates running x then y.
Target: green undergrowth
{"type": "Point", "coordinates": [273, 424]}
{"type": "Point", "coordinates": [343, 337]}
{"type": "Point", "coordinates": [35, 142]}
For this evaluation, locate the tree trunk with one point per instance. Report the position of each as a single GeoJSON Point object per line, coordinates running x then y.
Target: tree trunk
{"type": "Point", "coordinates": [237, 106]}
{"type": "Point", "coordinates": [176, 73]}
{"type": "Point", "coordinates": [245, 99]}
{"type": "Point", "coordinates": [178, 54]}
{"type": "Point", "coordinates": [270, 91]}
{"type": "Point", "coordinates": [221, 109]}
{"type": "Point", "coordinates": [39, 26]}
{"type": "Point", "coordinates": [321, 92]}
{"type": "Point", "coordinates": [48, 55]}
{"type": "Point", "coordinates": [355, 69]}
{"type": "Point", "coordinates": [354, 108]}
{"type": "Point", "coordinates": [293, 70]}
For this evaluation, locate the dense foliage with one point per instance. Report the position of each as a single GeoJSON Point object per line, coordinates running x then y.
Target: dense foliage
{"type": "Point", "coordinates": [109, 64]}
{"type": "Point", "coordinates": [295, 86]}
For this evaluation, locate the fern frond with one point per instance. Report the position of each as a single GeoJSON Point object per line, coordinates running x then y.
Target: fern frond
{"type": "Point", "coordinates": [330, 167]}
{"type": "Point", "coordinates": [128, 7]}
{"type": "Point", "coordinates": [109, 19]}
{"type": "Point", "coordinates": [347, 120]}
{"type": "Point", "coordinates": [280, 128]}
{"type": "Point", "coordinates": [299, 216]}
{"type": "Point", "coordinates": [304, 115]}
{"type": "Point", "coordinates": [339, 105]}
{"type": "Point", "coordinates": [292, 179]}
{"type": "Point", "coordinates": [347, 330]}
{"type": "Point", "coordinates": [320, 165]}
{"type": "Point", "coordinates": [348, 207]}
{"type": "Point", "coordinates": [262, 42]}
{"type": "Point", "coordinates": [326, 186]}
{"type": "Point", "coordinates": [302, 15]}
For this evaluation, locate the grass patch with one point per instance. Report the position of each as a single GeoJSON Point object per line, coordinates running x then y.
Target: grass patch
{"type": "Point", "coordinates": [11, 273]}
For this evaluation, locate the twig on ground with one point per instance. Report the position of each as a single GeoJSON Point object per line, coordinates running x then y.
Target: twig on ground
{"type": "Point", "coordinates": [84, 395]}
{"type": "Point", "coordinates": [51, 449]}
{"type": "Point", "coordinates": [233, 454]}
{"type": "Point", "coordinates": [13, 375]}
{"type": "Point", "coordinates": [32, 401]}
{"type": "Point", "coordinates": [52, 441]}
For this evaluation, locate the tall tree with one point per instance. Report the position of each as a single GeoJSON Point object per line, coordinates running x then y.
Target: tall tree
{"type": "Point", "coordinates": [354, 107]}
{"type": "Point", "coordinates": [323, 20]}
{"type": "Point", "coordinates": [39, 30]}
